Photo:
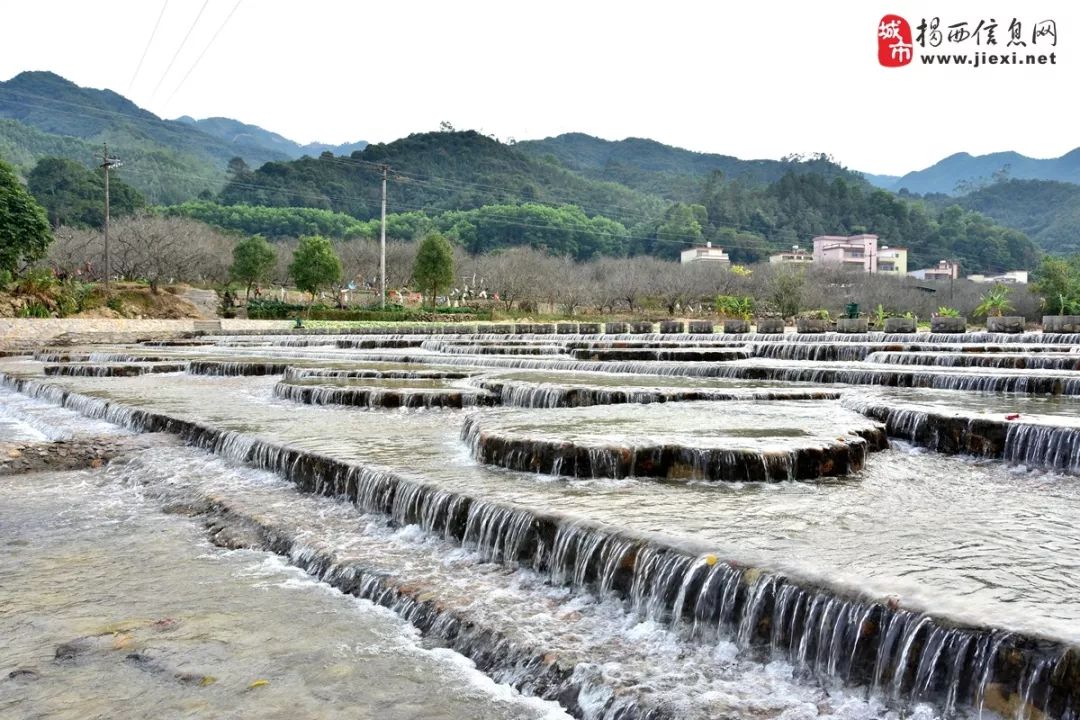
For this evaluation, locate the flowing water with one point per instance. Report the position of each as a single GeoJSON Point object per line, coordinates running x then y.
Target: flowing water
{"type": "Point", "coordinates": [110, 609]}
{"type": "Point", "coordinates": [573, 546]}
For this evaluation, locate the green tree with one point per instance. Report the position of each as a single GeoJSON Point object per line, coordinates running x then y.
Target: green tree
{"type": "Point", "coordinates": [1057, 281]}
{"type": "Point", "coordinates": [434, 267]}
{"type": "Point", "coordinates": [75, 195]}
{"type": "Point", "coordinates": [253, 261]}
{"type": "Point", "coordinates": [24, 229]}
{"type": "Point", "coordinates": [681, 228]}
{"type": "Point", "coordinates": [315, 265]}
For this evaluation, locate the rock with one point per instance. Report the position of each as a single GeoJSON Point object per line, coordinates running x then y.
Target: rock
{"type": "Point", "coordinates": [66, 652]}
{"type": "Point", "coordinates": [24, 674]}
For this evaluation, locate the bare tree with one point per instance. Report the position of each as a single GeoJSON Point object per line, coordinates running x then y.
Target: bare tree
{"type": "Point", "coordinates": [76, 252]}
{"type": "Point", "coordinates": [157, 249]}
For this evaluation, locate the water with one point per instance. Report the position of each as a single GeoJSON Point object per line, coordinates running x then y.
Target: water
{"type": "Point", "coordinates": [578, 527]}
{"type": "Point", "coordinates": [110, 609]}
{"type": "Point", "coordinates": [938, 531]}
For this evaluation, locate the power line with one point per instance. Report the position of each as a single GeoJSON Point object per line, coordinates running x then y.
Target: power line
{"type": "Point", "coordinates": [153, 33]}
{"type": "Point", "coordinates": [207, 47]}
{"type": "Point", "coordinates": [180, 47]}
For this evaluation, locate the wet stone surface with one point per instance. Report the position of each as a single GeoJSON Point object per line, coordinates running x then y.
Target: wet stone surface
{"type": "Point", "coordinates": [93, 452]}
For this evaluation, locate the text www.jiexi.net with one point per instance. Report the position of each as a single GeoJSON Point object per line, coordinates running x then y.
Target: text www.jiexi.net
{"type": "Point", "coordinates": [983, 59]}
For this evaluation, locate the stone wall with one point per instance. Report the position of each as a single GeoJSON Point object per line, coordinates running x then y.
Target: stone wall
{"type": "Point", "coordinates": [17, 333]}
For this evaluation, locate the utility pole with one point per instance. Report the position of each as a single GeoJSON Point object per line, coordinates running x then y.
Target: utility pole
{"type": "Point", "coordinates": [382, 242]}
{"type": "Point", "coordinates": [106, 163]}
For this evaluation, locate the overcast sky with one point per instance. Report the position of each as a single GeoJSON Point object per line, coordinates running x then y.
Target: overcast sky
{"type": "Point", "coordinates": [749, 78]}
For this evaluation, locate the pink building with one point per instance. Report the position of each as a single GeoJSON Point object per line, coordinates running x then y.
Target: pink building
{"type": "Point", "coordinates": [856, 251]}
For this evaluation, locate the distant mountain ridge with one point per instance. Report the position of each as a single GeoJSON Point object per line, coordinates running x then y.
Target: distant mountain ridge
{"type": "Point", "coordinates": [243, 135]}
{"type": "Point", "coordinates": [45, 115]}
{"type": "Point", "coordinates": [963, 172]}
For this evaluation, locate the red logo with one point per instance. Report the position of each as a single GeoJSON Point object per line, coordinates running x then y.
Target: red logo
{"type": "Point", "coordinates": [894, 45]}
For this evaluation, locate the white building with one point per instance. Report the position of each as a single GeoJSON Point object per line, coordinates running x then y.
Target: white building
{"type": "Point", "coordinates": [796, 255]}
{"type": "Point", "coordinates": [1013, 277]}
{"type": "Point", "coordinates": [945, 270]}
{"type": "Point", "coordinates": [708, 254]}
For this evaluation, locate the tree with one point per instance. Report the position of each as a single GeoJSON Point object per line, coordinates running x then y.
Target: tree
{"type": "Point", "coordinates": [156, 249]}
{"type": "Point", "coordinates": [24, 228]}
{"type": "Point", "coordinates": [434, 266]}
{"type": "Point", "coordinates": [785, 291]}
{"type": "Point", "coordinates": [315, 265]}
{"type": "Point", "coordinates": [1058, 282]}
{"type": "Point", "coordinates": [253, 262]}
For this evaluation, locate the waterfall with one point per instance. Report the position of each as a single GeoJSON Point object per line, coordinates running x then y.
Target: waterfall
{"type": "Point", "coordinates": [553, 395]}
{"type": "Point", "coordinates": [843, 456]}
{"type": "Point", "coordinates": [832, 633]}
{"type": "Point", "coordinates": [102, 370]}
{"type": "Point", "coordinates": [1034, 445]}
{"type": "Point", "coordinates": [376, 397]}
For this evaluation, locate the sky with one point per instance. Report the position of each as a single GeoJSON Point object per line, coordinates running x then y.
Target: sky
{"type": "Point", "coordinates": [760, 79]}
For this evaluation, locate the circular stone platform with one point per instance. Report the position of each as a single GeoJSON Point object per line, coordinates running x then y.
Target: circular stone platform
{"type": "Point", "coordinates": [382, 393]}
{"type": "Point", "coordinates": [783, 440]}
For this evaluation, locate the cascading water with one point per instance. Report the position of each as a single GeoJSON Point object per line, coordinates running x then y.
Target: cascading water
{"type": "Point", "coordinates": [827, 633]}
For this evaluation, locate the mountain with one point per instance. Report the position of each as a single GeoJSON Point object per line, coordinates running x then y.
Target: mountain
{"type": "Point", "coordinates": [1046, 210]}
{"type": "Point", "coordinates": [963, 172]}
{"type": "Point", "coordinates": [671, 172]}
{"type": "Point", "coordinates": [435, 171]}
{"type": "Point", "coordinates": [43, 114]}
{"type": "Point", "coordinates": [242, 135]}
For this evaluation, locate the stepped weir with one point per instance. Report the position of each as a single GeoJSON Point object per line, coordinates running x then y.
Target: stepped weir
{"type": "Point", "coordinates": [616, 468]}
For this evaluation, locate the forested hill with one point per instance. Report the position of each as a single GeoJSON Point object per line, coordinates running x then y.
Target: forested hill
{"type": "Point", "coordinates": [44, 115]}
{"type": "Point", "coordinates": [466, 171]}
{"type": "Point", "coordinates": [1048, 211]}
{"type": "Point", "coordinates": [50, 103]}
{"type": "Point", "coordinates": [432, 172]}
{"type": "Point", "coordinates": [671, 172]}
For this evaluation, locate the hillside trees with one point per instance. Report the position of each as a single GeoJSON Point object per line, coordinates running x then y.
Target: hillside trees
{"type": "Point", "coordinates": [74, 195]}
